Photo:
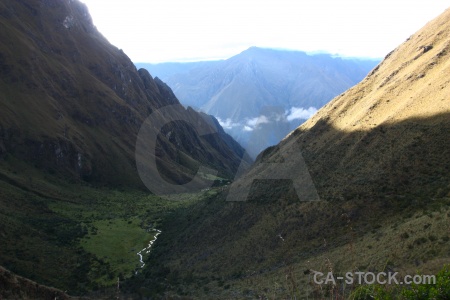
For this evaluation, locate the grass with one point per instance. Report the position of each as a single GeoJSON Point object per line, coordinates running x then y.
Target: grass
{"type": "Point", "coordinates": [74, 236]}
{"type": "Point", "coordinates": [228, 250]}
{"type": "Point", "coordinates": [118, 224]}
{"type": "Point", "coordinates": [440, 289]}
{"type": "Point", "coordinates": [386, 248]}
{"type": "Point", "coordinates": [117, 242]}
{"type": "Point", "coordinates": [82, 238]}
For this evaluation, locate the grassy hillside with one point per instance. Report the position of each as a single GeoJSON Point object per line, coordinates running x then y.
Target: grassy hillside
{"type": "Point", "coordinates": [78, 238]}
{"type": "Point", "coordinates": [73, 216]}
{"type": "Point", "coordinates": [72, 103]}
{"type": "Point", "coordinates": [73, 209]}
{"type": "Point", "coordinates": [244, 249]}
{"type": "Point", "coordinates": [378, 155]}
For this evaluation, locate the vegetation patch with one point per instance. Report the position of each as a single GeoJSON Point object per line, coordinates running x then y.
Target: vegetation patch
{"type": "Point", "coordinates": [117, 243]}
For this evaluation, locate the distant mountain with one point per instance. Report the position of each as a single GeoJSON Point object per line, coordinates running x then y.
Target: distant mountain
{"type": "Point", "coordinates": [378, 159]}
{"type": "Point", "coordinates": [260, 94]}
{"type": "Point", "coordinates": [389, 134]}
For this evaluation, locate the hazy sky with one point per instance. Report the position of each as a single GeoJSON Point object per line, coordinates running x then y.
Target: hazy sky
{"type": "Point", "coordinates": [189, 30]}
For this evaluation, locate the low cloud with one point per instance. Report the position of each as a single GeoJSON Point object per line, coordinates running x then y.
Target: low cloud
{"type": "Point", "coordinates": [249, 125]}
{"type": "Point", "coordinates": [228, 123]}
{"type": "Point", "coordinates": [300, 113]}
{"type": "Point", "coordinates": [257, 121]}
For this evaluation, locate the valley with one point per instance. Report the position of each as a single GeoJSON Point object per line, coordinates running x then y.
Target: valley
{"type": "Point", "coordinates": [80, 238]}
{"type": "Point", "coordinates": [260, 95]}
{"type": "Point", "coordinates": [111, 189]}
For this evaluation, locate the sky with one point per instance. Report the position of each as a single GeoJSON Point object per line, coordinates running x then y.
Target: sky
{"type": "Point", "coordinates": [156, 31]}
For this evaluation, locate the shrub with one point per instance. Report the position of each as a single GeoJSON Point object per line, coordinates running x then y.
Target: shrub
{"type": "Point", "coordinates": [439, 290]}
{"type": "Point", "coordinates": [404, 235]}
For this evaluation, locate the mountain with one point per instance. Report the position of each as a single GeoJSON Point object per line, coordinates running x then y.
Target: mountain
{"type": "Point", "coordinates": [72, 103]}
{"type": "Point", "coordinates": [262, 92]}
{"type": "Point", "coordinates": [363, 185]}
{"type": "Point", "coordinates": [72, 107]}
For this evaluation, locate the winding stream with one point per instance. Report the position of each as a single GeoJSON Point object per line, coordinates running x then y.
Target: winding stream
{"type": "Point", "coordinates": [147, 249]}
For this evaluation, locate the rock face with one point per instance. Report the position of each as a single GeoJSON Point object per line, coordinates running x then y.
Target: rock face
{"type": "Point", "coordinates": [72, 104]}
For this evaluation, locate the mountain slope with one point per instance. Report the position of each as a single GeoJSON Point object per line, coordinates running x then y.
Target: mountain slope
{"type": "Point", "coordinates": [408, 92]}
{"type": "Point", "coordinates": [16, 287]}
{"type": "Point", "coordinates": [72, 103]}
{"type": "Point", "coordinates": [379, 158]}
{"type": "Point", "coordinates": [71, 108]}
{"type": "Point", "coordinates": [240, 90]}
{"type": "Point", "coordinates": [287, 78]}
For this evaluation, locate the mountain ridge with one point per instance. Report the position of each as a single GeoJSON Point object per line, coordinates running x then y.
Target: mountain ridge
{"type": "Point", "coordinates": [408, 84]}
{"type": "Point", "coordinates": [378, 156]}
{"type": "Point", "coordinates": [91, 89]}
{"type": "Point", "coordinates": [73, 213]}
{"type": "Point", "coordinates": [242, 89]}
{"type": "Point", "coordinates": [245, 61]}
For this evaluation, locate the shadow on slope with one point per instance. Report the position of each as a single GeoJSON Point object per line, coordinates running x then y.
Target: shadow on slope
{"type": "Point", "coordinates": [363, 178]}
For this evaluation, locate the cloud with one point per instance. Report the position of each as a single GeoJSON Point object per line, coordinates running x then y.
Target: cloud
{"type": "Point", "coordinates": [257, 121]}
{"type": "Point", "coordinates": [228, 123]}
{"type": "Point", "coordinates": [300, 113]}
{"type": "Point", "coordinates": [249, 125]}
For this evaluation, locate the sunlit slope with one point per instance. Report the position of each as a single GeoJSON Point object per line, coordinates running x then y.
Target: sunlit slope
{"type": "Point", "coordinates": [378, 157]}
{"type": "Point", "coordinates": [388, 134]}
{"type": "Point", "coordinates": [411, 82]}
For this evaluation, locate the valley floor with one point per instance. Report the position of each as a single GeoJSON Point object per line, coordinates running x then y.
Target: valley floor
{"type": "Point", "coordinates": [85, 240]}
{"type": "Point", "coordinates": [76, 237]}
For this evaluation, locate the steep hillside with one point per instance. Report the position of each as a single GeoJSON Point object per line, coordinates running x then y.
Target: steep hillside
{"type": "Point", "coordinates": [379, 158]}
{"type": "Point", "coordinates": [240, 90]}
{"type": "Point", "coordinates": [71, 108]}
{"type": "Point", "coordinates": [72, 103]}
{"type": "Point", "coordinates": [390, 133]}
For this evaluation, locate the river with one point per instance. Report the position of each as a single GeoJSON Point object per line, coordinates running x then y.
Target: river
{"type": "Point", "coordinates": [147, 249]}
